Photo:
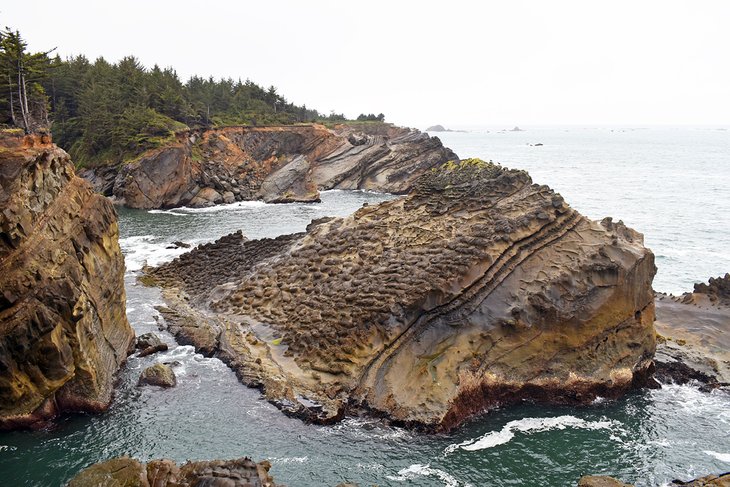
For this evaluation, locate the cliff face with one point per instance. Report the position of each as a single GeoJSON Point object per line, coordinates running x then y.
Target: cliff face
{"type": "Point", "coordinates": [275, 164]}
{"type": "Point", "coordinates": [478, 288]}
{"type": "Point", "coordinates": [63, 326]}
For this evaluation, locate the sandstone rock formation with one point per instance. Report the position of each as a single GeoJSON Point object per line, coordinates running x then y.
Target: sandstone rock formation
{"type": "Point", "coordinates": [478, 288]}
{"type": "Point", "coordinates": [694, 331]}
{"type": "Point", "coordinates": [127, 472]}
{"type": "Point", "coordinates": [159, 374]}
{"type": "Point", "coordinates": [275, 164]}
{"type": "Point", "coordinates": [601, 481]}
{"type": "Point", "coordinates": [63, 326]}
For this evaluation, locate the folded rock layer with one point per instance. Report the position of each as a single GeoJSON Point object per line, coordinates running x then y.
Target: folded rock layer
{"type": "Point", "coordinates": [63, 326]}
{"type": "Point", "coordinates": [276, 164]}
{"type": "Point", "coordinates": [479, 288]}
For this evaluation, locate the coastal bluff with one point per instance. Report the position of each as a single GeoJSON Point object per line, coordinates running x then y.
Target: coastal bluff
{"type": "Point", "coordinates": [477, 289]}
{"type": "Point", "coordinates": [276, 164]}
{"type": "Point", "coordinates": [63, 326]}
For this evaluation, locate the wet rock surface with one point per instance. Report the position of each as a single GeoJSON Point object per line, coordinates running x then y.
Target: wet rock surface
{"type": "Point", "coordinates": [127, 472]}
{"type": "Point", "coordinates": [694, 337]}
{"type": "Point", "coordinates": [477, 289]}
{"type": "Point", "coordinates": [275, 164]}
{"type": "Point", "coordinates": [159, 374]}
{"type": "Point", "coordinates": [600, 481]}
{"type": "Point", "coordinates": [63, 327]}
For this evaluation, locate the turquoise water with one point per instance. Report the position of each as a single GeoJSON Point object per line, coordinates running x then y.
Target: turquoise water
{"type": "Point", "coordinates": [649, 437]}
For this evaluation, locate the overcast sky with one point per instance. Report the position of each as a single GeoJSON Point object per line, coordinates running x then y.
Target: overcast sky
{"type": "Point", "coordinates": [423, 62]}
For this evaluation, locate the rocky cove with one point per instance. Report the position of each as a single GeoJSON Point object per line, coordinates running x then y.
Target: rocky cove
{"type": "Point", "coordinates": [275, 164]}
{"type": "Point", "coordinates": [220, 319]}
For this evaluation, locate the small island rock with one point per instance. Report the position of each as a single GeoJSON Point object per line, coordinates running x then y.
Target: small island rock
{"type": "Point", "coordinates": [158, 375]}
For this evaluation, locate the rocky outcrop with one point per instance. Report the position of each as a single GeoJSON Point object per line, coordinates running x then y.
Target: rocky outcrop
{"type": "Point", "coordinates": [477, 289]}
{"type": "Point", "coordinates": [275, 164]}
{"type": "Point", "coordinates": [159, 374]}
{"type": "Point", "coordinates": [694, 336]}
{"type": "Point", "coordinates": [717, 289]}
{"type": "Point", "coordinates": [127, 472]}
{"type": "Point", "coordinates": [63, 327]}
{"type": "Point", "coordinates": [601, 481]}
{"type": "Point", "coordinates": [722, 480]}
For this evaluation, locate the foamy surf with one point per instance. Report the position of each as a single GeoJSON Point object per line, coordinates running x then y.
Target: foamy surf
{"type": "Point", "coordinates": [723, 457]}
{"type": "Point", "coordinates": [420, 470]}
{"type": "Point", "coordinates": [528, 426]}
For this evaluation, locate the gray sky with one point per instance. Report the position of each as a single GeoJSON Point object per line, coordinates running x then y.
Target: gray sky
{"type": "Point", "coordinates": [424, 62]}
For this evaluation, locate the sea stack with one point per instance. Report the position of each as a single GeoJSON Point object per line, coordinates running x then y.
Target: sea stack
{"type": "Point", "coordinates": [63, 326]}
{"type": "Point", "coordinates": [477, 289]}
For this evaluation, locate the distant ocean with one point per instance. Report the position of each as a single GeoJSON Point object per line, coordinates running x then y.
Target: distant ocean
{"type": "Point", "coordinates": [671, 183]}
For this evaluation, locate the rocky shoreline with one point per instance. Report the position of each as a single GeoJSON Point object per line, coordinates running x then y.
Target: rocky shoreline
{"type": "Point", "coordinates": [477, 289]}
{"type": "Point", "coordinates": [277, 164]}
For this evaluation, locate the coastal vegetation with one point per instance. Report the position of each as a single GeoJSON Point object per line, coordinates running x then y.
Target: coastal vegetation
{"type": "Point", "coordinates": [105, 112]}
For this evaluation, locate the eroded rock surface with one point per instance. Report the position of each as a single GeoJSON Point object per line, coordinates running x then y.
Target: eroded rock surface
{"type": "Point", "coordinates": [275, 164]}
{"type": "Point", "coordinates": [63, 327]}
{"type": "Point", "coordinates": [127, 472]}
{"type": "Point", "coordinates": [158, 374]}
{"type": "Point", "coordinates": [479, 288]}
{"type": "Point", "coordinates": [694, 336]}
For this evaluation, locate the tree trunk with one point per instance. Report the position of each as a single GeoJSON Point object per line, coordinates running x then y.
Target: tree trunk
{"type": "Point", "coordinates": [12, 102]}
{"type": "Point", "coordinates": [23, 111]}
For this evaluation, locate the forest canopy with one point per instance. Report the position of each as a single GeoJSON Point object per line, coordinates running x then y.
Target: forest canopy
{"type": "Point", "coordinates": [102, 112]}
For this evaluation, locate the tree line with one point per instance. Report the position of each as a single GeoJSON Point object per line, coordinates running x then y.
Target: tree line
{"type": "Point", "coordinates": [102, 112]}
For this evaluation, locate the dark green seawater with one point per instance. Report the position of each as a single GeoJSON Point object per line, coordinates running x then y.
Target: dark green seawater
{"type": "Point", "coordinates": [647, 438]}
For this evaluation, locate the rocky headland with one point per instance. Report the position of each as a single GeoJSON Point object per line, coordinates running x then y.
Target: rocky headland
{"type": "Point", "coordinates": [275, 164]}
{"type": "Point", "coordinates": [477, 289]}
{"type": "Point", "coordinates": [694, 335]}
{"type": "Point", "coordinates": [127, 472]}
{"type": "Point", "coordinates": [63, 326]}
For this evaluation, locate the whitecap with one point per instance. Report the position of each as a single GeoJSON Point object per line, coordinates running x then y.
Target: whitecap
{"type": "Point", "coordinates": [226, 207]}
{"type": "Point", "coordinates": [528, 425]}
{"type": "Point", "coordinates": [419, 470]}
{"type": "Point", "coordinates": [167, 212]}
{"type": "Point", "coordinates": [723, 457]}
{"type": "Point", "coordinates": [277, 460]}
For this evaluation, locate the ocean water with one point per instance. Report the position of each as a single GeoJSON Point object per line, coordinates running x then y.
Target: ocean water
{"type": "Point", "coordinates": [647, 438]}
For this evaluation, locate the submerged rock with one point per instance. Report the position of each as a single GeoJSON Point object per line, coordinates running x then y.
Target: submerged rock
{"type": "Point", "coordinates": [477, 289]}
{"type": "Point", "coordinates": [127, 472]}
{"type": "Point", "coordinates": [275, 164]}
{"type": "Point", "coordinates": [158, 375]}
{"type": "Point", "coordinates": [63, 326]}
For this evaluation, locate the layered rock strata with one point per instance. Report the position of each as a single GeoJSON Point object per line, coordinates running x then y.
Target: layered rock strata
{"type": "Point", "coordinates": [694, 335]}
{"type": "Point", "coordinates": [125, 471]}
{"type": "Point", "coordinates": [274, 164]}
{"type": "Point", "coordinates": [479, 288]}
{"type": "Point", "coordinates": [63, 327]}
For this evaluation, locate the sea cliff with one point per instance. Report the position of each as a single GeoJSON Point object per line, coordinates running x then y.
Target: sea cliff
{"type": "Point", "coordinates": [275, 164]}
{"type": "Point", "coordinates": [63, 327]}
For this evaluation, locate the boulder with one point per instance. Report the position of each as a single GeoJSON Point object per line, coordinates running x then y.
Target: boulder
{"type": "Point", "coordinates": [158, 375]}
{"type": "Point", "coordinates": [63, 326]}
{"type": "Point", "coordinates": [478, 289]}
{"type": "Point", "coordinates": [127, 472]}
